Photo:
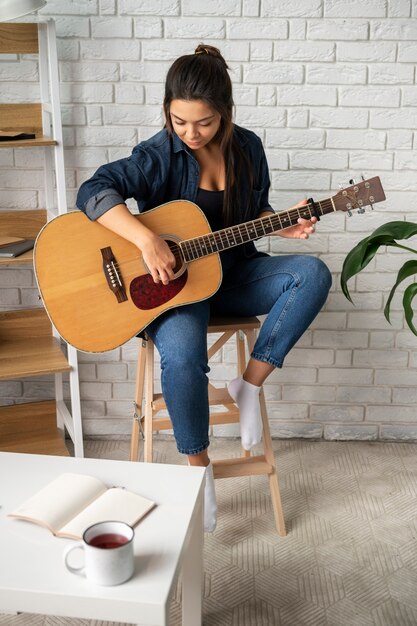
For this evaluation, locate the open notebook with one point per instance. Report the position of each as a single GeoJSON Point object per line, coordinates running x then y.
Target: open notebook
{"type": "Point", "coordinates": [71, 503]}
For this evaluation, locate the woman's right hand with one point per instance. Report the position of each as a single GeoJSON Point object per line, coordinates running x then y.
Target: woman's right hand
{"type": "Point", "coordinates": [155, 251]}
{"type": "Point", "coordinates": [158, 258]}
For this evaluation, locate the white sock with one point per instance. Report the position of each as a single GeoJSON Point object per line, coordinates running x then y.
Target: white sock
{"type": "Point", "coordinates": [210, 504]}
{"type": "Point", "coordinates": [246, 397]}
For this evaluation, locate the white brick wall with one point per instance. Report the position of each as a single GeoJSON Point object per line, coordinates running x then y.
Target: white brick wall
{"type": "Point", "coordinates": [330, 86]}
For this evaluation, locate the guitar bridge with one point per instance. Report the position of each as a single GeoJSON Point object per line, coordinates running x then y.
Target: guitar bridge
{"type": "Point", "coordinates": [112, 274]}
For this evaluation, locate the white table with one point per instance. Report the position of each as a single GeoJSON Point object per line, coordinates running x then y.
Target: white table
{"type": "Point", "coordinates": [33, 577]}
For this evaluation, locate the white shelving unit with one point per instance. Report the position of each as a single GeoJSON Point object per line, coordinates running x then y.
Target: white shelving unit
{"type": "Point", "coordinates": [29, 345]}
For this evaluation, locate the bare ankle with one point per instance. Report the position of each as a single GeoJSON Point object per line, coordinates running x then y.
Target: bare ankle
{"type": "Point", "coordinates": [200, 460]}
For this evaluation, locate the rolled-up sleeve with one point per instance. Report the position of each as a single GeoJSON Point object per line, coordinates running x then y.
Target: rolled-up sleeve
{"type": "Point", "coordinates": [114, 183]}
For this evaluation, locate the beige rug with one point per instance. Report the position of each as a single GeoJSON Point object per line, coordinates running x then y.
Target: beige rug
{"type": "Point", "coordinates": [350, 557]}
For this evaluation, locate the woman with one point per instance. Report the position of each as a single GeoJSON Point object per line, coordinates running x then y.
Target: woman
{"type": "Point", "coordinates": [203, 157]}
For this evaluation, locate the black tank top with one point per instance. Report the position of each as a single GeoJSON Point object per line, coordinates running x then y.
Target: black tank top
{"type": "Point", "coordinates": [211, 203]}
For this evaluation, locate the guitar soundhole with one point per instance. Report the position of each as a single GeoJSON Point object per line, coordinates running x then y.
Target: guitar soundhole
{"type": "Point", "coordinates": [179, 261]}
{"type": "Point", "coordinates": [147, 295]}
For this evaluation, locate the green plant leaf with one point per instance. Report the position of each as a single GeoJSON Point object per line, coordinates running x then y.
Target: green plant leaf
{"type": "Point", "coordinates": [408, 297]}
{"type": "Point", "coordinates": [392, 231]}
{"type": "Point", "coordinates": [365, 250]}
{"type": "Point", "coordinates": [408, 269]}
{"type": "Point", "coordinates": [356, 260]}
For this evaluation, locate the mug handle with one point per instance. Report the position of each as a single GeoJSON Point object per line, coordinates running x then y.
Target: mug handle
{"type": "Point", "coordinates": [71, 568]}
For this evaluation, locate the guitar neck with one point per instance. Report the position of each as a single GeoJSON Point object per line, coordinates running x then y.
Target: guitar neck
{"type": "Point", "coordinates": [226, 238]}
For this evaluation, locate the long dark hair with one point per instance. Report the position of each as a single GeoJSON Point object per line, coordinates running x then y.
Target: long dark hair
{"type": "Point", "coordinates": [204, 76]}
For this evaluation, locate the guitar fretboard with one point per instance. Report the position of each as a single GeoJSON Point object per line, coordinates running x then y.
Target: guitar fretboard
{"type": "Point", "coordinates": [226, 238]}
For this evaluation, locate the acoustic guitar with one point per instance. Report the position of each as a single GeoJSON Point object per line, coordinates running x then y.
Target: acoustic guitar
{"type": "Point", "coordinates": [98, 291]}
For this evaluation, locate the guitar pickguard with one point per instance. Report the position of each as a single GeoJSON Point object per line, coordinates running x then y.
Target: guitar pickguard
{"type": "Point", "coordinates": [147, 295]}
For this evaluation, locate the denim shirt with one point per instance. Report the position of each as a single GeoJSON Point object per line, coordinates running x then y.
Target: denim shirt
{"type": "Point", "coordinates": [162, 169]}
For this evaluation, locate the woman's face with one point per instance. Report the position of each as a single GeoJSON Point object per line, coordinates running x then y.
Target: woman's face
{"type": "Point", "coordinates": [195, 122]}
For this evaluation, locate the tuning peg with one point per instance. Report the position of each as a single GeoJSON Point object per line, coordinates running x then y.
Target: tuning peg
{"type": "Point", "coordinates": [361, 210]}
{"type": "Point", "coordinates": [362, 177]}
{"type": "Point", "coordinates": [372, 206]}
{"type": "Point", "coordinates": [349, 213]}
{"type": "Point", "coordinates": [352, 181]}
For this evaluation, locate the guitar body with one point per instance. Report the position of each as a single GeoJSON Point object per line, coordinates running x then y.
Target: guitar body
{"type": "Point", "coordinates": [95, 286]}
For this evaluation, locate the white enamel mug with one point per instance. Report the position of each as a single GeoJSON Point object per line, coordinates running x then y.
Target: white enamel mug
{"type": "Point", "coordinates": [108, 553]}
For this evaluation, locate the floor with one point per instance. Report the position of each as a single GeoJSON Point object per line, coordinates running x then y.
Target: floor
{"type": "Point", "coordinates": [350, 557]}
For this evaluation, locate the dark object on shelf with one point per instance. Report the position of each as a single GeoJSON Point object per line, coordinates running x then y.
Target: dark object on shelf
{"type": "Point", "coordinates": [7, 136]}
{"type": "Point", "coordinates": [11, 250]}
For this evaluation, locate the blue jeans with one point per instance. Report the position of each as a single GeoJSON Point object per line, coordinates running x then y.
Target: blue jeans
{"type": "Point", "coordinates": [290, 289]}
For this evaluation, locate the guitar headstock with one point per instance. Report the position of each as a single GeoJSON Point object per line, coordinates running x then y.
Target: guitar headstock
{"type": "Point", "coordinates": [359, 195]}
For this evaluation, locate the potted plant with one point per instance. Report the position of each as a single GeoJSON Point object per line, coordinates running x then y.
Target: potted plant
{"type": "Point", "coordinates": [359, 257]}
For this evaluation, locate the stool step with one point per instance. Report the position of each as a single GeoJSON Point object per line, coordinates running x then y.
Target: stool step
{"type": "Point", "coordinates": [223, 417]}
{"type": "Point", "coordinates": [217, 395]}
{"type": "Point", "coordinates": [243, 466]}
{"type": "Point", "coordinates": [158, 403]}
{"type": "Point", "coordinates": [159, 423]}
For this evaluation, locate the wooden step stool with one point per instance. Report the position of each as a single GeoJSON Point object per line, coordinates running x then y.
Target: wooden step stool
{"type": "Point", "coordinates": [148, 422]}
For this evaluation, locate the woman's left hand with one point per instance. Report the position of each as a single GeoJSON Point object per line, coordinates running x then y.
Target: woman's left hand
{"type": "Point", "coordinates": [303, 229]}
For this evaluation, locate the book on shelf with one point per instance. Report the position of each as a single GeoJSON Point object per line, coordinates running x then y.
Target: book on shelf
{"type": "Point", "coordinates": [71, 503]}
{"type": "Point", "coordinates": [15, 247]}
{"type": "Point", "coordinates": [7, 135]}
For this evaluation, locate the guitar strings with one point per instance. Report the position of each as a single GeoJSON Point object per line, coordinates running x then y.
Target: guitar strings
{"type": "Point", "coordinates": [258, 226]}
{"type": "Point", "coordinates": [222, 237]}
{"type": "Point", "coordinates": [179, 259]}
